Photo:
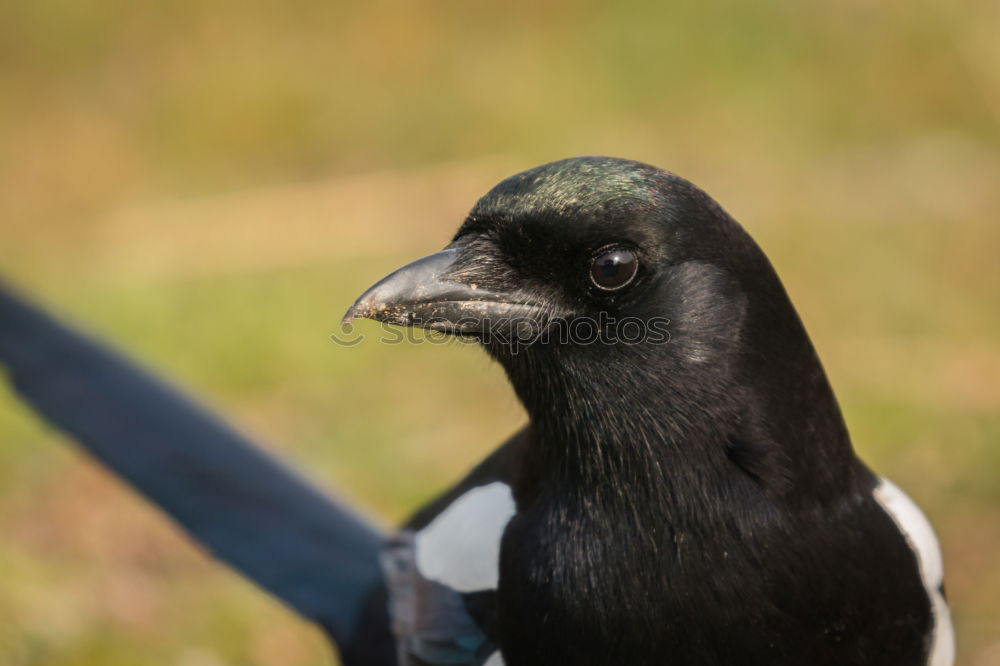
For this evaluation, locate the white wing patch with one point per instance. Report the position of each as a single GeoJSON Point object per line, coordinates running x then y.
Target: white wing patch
{"type": "Point", "coordinates": [920, 535]}
{"type": "Point", "coordinates": [460, 548]}
{"type": "Point", "coordinates": [494, 660]}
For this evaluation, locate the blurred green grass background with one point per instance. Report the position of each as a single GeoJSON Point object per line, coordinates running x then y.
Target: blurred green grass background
{"type": "Point", "coordinates": [208, 185]}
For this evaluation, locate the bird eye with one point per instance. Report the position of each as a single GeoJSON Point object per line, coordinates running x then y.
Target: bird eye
{"type": "Point", "coordinates": [614, 269]}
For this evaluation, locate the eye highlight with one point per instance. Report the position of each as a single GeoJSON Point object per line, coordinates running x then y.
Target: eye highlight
{"type": "Point", "coordinates": [613, 268]}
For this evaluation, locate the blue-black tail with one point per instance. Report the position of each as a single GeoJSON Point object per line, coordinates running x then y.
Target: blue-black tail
{"type": "Point", "coordinates": [252, 512]}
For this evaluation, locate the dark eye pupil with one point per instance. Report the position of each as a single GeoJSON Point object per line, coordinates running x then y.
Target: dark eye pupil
{"type": "Point", "coordinates": [614, 269]}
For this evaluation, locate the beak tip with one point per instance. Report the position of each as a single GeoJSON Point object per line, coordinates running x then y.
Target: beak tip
{"type": "Point", "coordinates": [352, 313]}
{"type": "Point", "coordinates": [364, 309]}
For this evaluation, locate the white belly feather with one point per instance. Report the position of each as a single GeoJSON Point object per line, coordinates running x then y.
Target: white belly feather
{"type": "Point", "coordinates": [920, 535]}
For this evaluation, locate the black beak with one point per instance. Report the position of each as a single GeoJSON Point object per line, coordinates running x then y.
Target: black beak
{"type": "Point", "coordinates": [421, 294]}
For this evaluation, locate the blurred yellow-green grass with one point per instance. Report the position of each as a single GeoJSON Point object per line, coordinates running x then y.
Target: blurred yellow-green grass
{"type": "Point", "coordinates": [208, 185]}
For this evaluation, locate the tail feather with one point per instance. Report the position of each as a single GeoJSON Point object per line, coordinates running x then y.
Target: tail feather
{"type": "Point", "coordinates": [251, 511]}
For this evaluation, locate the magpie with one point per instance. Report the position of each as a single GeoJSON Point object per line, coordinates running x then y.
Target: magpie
{"type": "Point", "coordinates": [685, 491]}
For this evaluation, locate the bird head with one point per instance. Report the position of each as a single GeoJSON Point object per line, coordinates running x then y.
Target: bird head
{"type": "Point", "coordinates": [624, 295]}
{"type": "Point", "coordinates": [562, 255]}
